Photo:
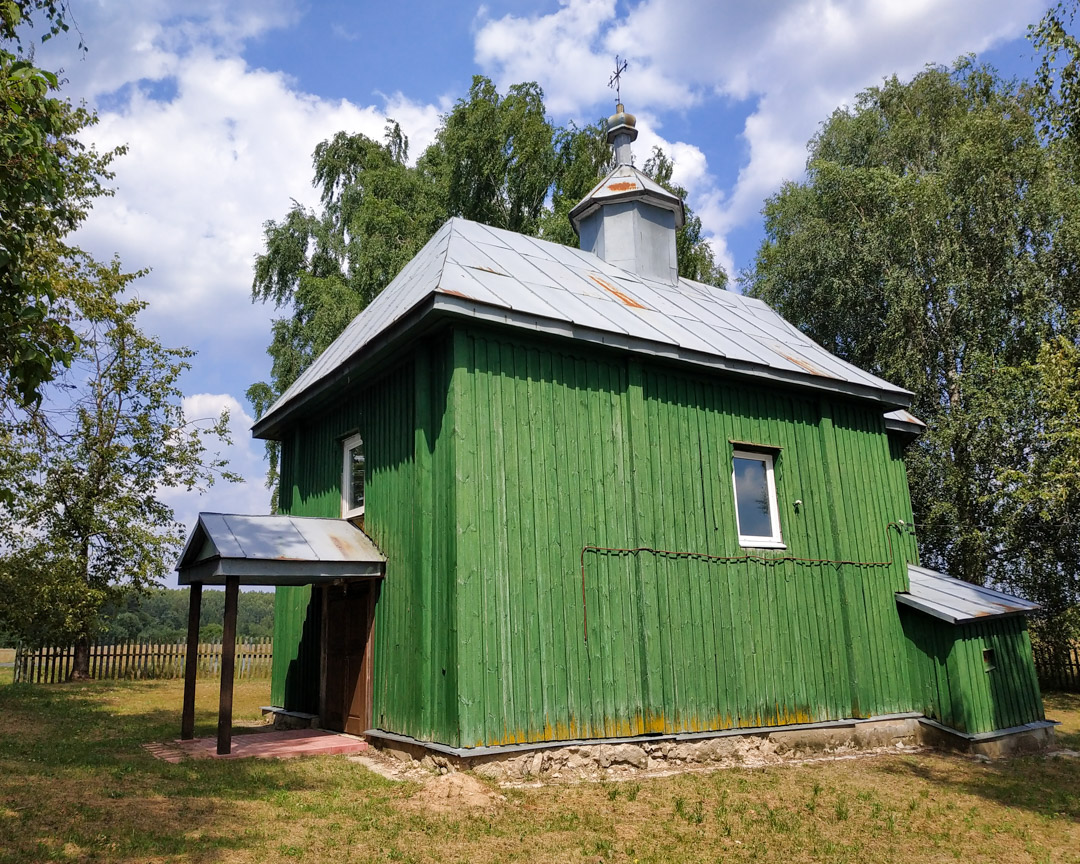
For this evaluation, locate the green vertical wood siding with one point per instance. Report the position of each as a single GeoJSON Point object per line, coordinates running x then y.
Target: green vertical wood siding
{"type": "Point", "coordinates": [951, 684]}
{"type": "Point", "coordinates": [496, 467]}
{"type": "Point", "coordinates": [408, 513]}
{"type": "Point", "coordinates": [557, 451]}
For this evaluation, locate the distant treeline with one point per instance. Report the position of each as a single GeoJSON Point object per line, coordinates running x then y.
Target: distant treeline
{"type": "Point", "coordinates": [160, 615]}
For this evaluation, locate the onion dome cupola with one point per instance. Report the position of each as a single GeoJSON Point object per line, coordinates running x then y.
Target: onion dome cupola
{"type": "Point", "coordinates": [628, 219]}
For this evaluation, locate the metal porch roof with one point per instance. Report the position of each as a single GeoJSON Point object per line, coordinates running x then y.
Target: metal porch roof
{"type": "Point", "coordinates": [475, 271]}
{"type": "Point", "coordinates": [277, 550]}
{"type": "Point", "coordinates": [956, 601]}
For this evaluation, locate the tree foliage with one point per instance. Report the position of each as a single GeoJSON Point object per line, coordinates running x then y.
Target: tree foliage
{"type": "Point", "coordinates": [91, 421]}
{"type": "Point", "coordinates": [160, 615]}
{"type": "Point", "coordinates": [48, 178]}
{"type": "Point", "coordinates": [497, 156]}
{"type": "Point", "coordinates": [85, 522]}
{"type": "Point", "coordinates": [1041, 496]}
{"type": "Point", "coordinates": [496, 159]}
{"type": "Point", "coordinates": [936, 242]}
{"type": "Point", "coordinates": [1057, 80]}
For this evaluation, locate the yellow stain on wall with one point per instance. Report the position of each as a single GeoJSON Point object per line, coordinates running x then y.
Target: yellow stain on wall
{"type": "Point", "coordinates": [650, 722]}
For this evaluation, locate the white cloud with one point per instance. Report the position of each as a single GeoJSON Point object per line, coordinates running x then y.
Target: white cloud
{"type": "Point", "coordinates": [248, 496]}
{"type": "Point", "coordinates": [795, 61]}
{"type": "Point", "coordinates": [571, 53]}
{"type": "Point", "coordinates": [215, 148]}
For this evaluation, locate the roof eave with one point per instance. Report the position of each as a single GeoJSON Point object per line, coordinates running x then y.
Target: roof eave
{"type": "Point", "coordinates": [214, 571]}
{"type": "Point", "coordinates": [903, 428]}
{"type": "Point", "coordinates": [270, 426]}
{"type": "Point", "coordinates": [482, 312]}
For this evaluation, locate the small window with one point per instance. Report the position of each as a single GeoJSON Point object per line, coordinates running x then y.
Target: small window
{"type": "Point", "coordinates": [989, 660]}
{"type": "Point", "coordinates": [756, 513]}
{"type": "Point", "coordinates": [352, 478]}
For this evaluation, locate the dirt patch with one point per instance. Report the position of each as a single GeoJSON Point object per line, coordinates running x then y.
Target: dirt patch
{"type": "Point", "coordinates": [442, 790]}
{"type": "Point", "coordinates": [452, 793]}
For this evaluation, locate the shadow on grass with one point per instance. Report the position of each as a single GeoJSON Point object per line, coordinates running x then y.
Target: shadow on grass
{"type": "Point", "coordinates": [75, 781]}
{"type": "Point", "coordinates": [1047, 786]}
{"type": "Point", "coordinates": [1065, 707]}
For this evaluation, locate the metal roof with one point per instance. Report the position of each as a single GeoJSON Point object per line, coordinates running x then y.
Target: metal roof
{"type": "Point", "coordinates": [904, 421]}
{"type": "Point", "coordinates": [956, 601]}
{"type": "Point", "coordinates": [276, 550]}
{"type": "Point", "coordinates": [625, 183]}
{"type": "Point", "coordinates": [489, 274]}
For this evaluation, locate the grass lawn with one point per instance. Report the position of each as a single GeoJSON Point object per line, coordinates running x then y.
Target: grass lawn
{"type": "Point", "coordinates": [76, 785]}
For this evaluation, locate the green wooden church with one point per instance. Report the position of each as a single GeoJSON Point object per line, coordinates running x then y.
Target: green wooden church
{"type": "Point", "coordinates": [594, 500]}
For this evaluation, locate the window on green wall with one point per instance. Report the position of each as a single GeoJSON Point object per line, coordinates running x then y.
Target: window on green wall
{"type": "Point", "coordinates": [352, 477]}
{"type": "Point", "coordinates": [756, 514]}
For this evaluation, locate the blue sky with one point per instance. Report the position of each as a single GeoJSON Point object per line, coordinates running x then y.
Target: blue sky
{"type": "Point", "coordinates": [221, 104]}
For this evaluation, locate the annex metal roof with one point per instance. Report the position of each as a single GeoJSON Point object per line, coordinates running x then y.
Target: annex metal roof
{"type": "Point", "coordinates": [488, 274]}
{"type": "Point", "coordinates": [277, 550]}
{"type": "Point", "coordinates": [904, 421]}
{"type": "Point", "coordinates": [956, 601]}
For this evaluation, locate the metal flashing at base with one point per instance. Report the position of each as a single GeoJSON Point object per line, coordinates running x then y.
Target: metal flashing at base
{"type": "Point", "coordinates": [996, 733]}
{"type": "Point", "coordinates": [510, 749]}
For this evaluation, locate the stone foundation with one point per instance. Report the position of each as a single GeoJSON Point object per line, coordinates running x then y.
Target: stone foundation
{"type": "Point", "coordinates": [748, 748]}
{"type": "Point", "coordinates": [673, 753]}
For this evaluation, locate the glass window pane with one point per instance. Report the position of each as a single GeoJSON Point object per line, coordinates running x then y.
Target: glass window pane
{"type": "Point", "coordinates": [752, 497]}
{"type": "Point", "coordinates": [356, 478]}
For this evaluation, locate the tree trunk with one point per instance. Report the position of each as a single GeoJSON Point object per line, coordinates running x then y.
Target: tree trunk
{"type": "Point", "coordinates": [80, 665]}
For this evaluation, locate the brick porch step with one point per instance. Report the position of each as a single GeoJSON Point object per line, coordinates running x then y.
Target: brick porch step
{"type": "Point", "coordinates": [262, 745]}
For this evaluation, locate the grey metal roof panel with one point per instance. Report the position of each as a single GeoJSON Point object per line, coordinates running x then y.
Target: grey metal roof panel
{"type": "Point", "coordinates": [279, 538]}
{"type": "Point", "coordinates": [220, 535]}
{"type": "Point", "coordinates": [902, 416]}
{"type": "Point", "coordinates": [575, 308]}
{"type": "Point", "coordinates": [534, 279]}
{"type": "Point", "coordinates": [956, 601]}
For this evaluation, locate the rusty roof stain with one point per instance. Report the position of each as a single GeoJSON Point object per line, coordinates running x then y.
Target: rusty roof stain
{"type": "Point", "coordinates": [624, 186]}
{"type": "Point", "coordinates": [626, 298]}
{"type": "Point", "coordinates": [804, 364]}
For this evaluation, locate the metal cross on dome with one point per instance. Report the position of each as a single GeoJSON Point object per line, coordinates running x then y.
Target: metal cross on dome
{"type": "Point", "coordinates": [616, 78]}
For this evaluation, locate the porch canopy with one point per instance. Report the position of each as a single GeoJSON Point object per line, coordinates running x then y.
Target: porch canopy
{"type": "Point", "coordinates": [232, 550]}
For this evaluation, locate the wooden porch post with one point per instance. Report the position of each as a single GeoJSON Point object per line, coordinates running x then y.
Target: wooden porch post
{"type": "Point", "coordinates": [228, 665]}
{"type": "Point", "coordinates": [191, 661]}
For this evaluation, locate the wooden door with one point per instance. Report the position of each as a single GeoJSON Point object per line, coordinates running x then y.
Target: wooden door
{"type": "Point", "coordinates": [345, 694]}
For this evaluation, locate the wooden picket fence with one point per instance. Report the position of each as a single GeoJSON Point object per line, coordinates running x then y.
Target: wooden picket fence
{"type": "Point", "coordinates": [1064, 675]}
{"type": "Point", "coordinates": [135, 660]}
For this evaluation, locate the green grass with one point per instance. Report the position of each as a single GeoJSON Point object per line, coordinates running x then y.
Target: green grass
{"type": "Point", "coordinates": [76, 785]}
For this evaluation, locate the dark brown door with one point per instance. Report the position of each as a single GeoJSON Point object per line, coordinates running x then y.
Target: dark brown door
{"type": "Point", "coordinates": [346, 675]}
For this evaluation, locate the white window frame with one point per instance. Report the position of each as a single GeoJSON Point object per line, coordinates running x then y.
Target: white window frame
{"type": "Point", "coordinates": [752, 541]}
{"type": "Point", "coordinates": [347, 446]}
